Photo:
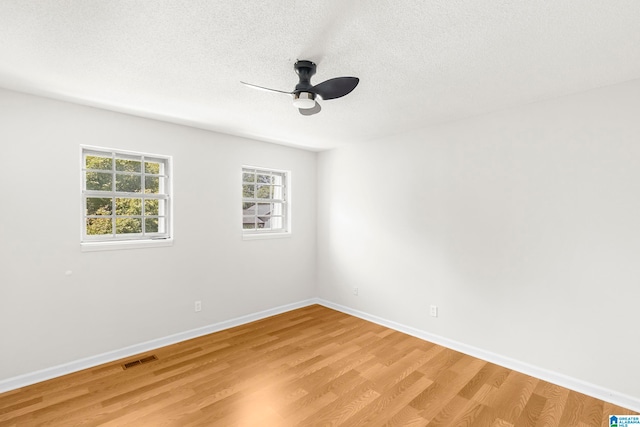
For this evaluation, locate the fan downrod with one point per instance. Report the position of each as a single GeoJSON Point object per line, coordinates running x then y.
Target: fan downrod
{"type": "Point", "coordinates": [305, 70]}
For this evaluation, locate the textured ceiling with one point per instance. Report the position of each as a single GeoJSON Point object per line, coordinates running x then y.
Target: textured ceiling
{"type": "Point", "coordinates": [421, 62]}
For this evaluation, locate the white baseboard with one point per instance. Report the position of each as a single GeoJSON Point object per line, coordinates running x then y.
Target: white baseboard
{"type": "Point", "coordinates": [589, 389]}
{"type": "Point", "coordinates": [562, 380]}
{"type": "Point", "coordinates": [110, 356]}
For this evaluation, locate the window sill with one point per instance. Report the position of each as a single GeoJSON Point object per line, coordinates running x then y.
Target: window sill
{"type": "Point", "coordinates": [261, 236]}
{"type": "Point", "coordinates": [121, 245]}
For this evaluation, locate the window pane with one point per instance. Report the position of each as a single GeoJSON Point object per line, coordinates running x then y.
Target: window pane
{"type": "Point", "coordinates": [128, 165]}
{"type": "Point", "coordinates": [97, 162]}
{"type": "Point", "coordinates": [264, 179]}
{"type": "Point", "coordinates": [151, 207]}
{"type": "Point", "coordinates": [276, 222]}
{"type": "Point", "coordinates": [125, 195]}
{"type": "Point", "coordinates": [98, 181]}
{"type": "Point", "coordinates": [249, 191]}
{"type": "Point", "coordinates": [278, 192]}
{"type": "Point", "coordinates": [98, 206]}
{"type": "Point", "coordinates": [128, 206]}
{"type": "Point", "coordinates": [264, 209]}
{"type": "Point", "coordinates": [129, 183]}
{"type": "Point", "coordinates": [278, 209]}
{"type": "Point", "coordinates": [263, 191]}
{"type": "Point", "coordinates": [128, 225]}
{"type": "Point", "coordinates": [98, 226]}
{"type": "Point", "coordinates": [151, 184]}
{"type": "Point", "coordinates": [152, 167]}
{"type": "Point", "coordinates": [265, 186]}
{"type": "Point", "coordinates": [162, 225]}
{"type": "Point", "coordinates": [151, 225]}
{"type": "Point", "coordinates": [263, 215]}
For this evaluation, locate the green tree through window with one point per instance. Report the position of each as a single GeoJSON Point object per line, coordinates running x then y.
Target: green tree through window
{"type": "Point", "coordinates": [125, 195]}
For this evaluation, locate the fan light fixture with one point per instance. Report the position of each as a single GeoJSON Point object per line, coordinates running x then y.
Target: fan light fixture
{"type": "Point", "coordinates": [304, 100]}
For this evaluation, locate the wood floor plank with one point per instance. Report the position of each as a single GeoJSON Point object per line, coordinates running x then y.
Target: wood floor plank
{"type": "Point", "coordinates": [408, 416]}
{"type": "Point", "coordinates": [554, 406]}
{"type": "Point", "coordinates": [450, 413]}
{"type": "Point", "coordinates": [346, 406]}
{"type": "Point", "coordinates": [474, 414]}
{"type": "Point", "coordinates": [531, 413]}
{"type": "Point", "coordinates": [591, 411]}
{"type": "Point", "coordinates": [571, 414]}
{"type": "Point", "coordinates": [484, 376]}
{"type": "Point", "coordinates": [311, 366]}
{"type": "Point", "coordinates": [391, 401]}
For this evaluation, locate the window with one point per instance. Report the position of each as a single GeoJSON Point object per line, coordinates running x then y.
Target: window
{"type": "Point", "coordinates": [125, 196]}
{"type": "Point", "coordinates": [265, 204]}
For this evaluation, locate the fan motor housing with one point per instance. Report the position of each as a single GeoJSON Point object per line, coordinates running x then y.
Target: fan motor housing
{"type": "Point", "coordinates": [305, 70]}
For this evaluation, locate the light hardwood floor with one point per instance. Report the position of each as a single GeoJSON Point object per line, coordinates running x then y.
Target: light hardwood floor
{"type": "Point", "coordinates": [312, 367]}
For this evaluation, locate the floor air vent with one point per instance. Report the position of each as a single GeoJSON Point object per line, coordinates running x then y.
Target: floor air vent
{"type": "Point", "coordinates": [139, 361]}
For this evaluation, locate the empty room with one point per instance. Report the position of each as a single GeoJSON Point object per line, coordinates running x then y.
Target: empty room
{"type": "Point", "coordinates": [220, 213]}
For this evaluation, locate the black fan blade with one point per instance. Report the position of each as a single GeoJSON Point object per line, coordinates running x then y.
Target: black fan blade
{"type": "Point", "coordinates": [335, 88]}
{"type": "Point", "coordinates": [310, 111]}
{"type": "Point", "coordinates": [265, 88]}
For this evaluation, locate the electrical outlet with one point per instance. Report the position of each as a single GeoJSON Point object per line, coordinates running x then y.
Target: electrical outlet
{"type": "Point", "coordinates": [198, 306]}
{"type": "Point", "coordinates": [355, 291]}
{"type": "Point", "coordinates": [434, 311]}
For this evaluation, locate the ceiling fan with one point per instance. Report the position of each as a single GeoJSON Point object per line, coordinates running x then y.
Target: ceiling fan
{"type": "Point", "coordinates": [305, 94]}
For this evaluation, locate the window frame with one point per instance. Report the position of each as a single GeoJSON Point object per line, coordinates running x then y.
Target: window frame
{"type": "Point", "coordinates": [114, 240]}
{"type": "Point", "coordinates": [285, 201]}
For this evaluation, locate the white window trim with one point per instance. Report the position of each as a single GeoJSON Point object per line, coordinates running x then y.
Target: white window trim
{"type": "Point", "coordinates": [124, 244]}
{"type": "Point", "coordinates": [87, 245]}
{"type": "Point", "coordinates": [268, 234]}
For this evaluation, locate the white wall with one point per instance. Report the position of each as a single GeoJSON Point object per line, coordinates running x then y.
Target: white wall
{"type": "Point", "coordinates": [116, 299]}
{"type": "Point", "coordinates": [522, 226]}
